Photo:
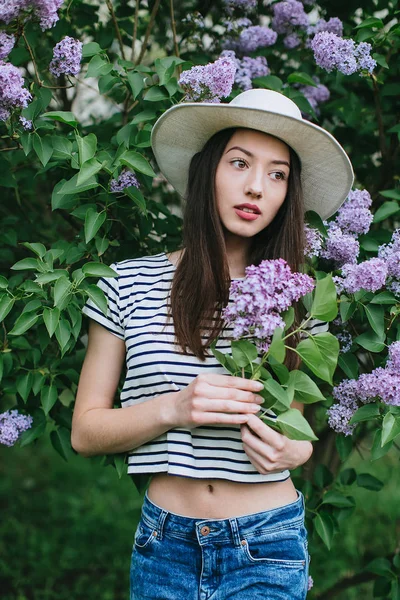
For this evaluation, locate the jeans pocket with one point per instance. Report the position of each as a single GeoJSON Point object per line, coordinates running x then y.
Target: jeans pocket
{"type": "Point", "coordinates": [144, 535]}
{"type": "Point", "coordinates": [285, 547]}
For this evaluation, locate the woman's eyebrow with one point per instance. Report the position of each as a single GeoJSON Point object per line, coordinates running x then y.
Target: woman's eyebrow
{"type": "Point", "coordinates": [274, 162]}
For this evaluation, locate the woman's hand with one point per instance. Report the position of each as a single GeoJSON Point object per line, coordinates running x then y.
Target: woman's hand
{"type": "Point", "coordinates": [216, 399]}
{"type": "Point", "coordinates": [270, 451]}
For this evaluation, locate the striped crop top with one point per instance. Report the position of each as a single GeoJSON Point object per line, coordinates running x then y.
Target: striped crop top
{"type": "Point", "coordinates": [137, 313]}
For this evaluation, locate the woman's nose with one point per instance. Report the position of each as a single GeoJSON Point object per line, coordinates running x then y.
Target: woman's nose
{"type": "Point", "coordinates": [254, 187]}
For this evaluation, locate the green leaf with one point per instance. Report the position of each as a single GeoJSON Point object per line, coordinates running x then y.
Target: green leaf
{"type": "Point", "coordinates": [136, 83]}
{"type": "Point", "coordinates": [294, 425]}
{"type": "Point", "coordinates": [220, 356]}
{"type": "Point", "coordinates": [6, 304]}
{"type": "Point", "coordinates": [53, 276]}
{"type": "Point", "coordinates": [271, 82]}
{"type": "Point", "coordinates": [380, 566]}
{"type": "Point", "coordinates": [281, 396]}
{"type": "Point", "coordinates": [97, 296]}
{"type": "Point", "coordinates": [98, 66]}
{"type": "Point", "coordinates": [143, 116]}
{"type": "Point", "coordinates": [63, 333]}
{"type": "Point", "coordinates": [377, 450]}
{"type": "Point", "coordinates": [156, 94]}
{"type": "Point", "coordinates": [288, 317]}
{"type": "Point", "coordinates": [93, 222]}
{"type": "Point", "coordinates": [136, 162]}
{"type": "Point", "coordinates": [324, 306]}
{"type": "Point", "coordinates": [365, 413]}
{"type": "Point", "coordinates": [43, 148]}
{"type": "Point", "coordinates": [61, 441]}
{"type": "Point", "coordinates": [96, 269]}
{"type": "Point", "coordinates": [320, 354]}
{"type": "Point", "coordinates": [322, 476]}
{"type": "Point", "coordinates": [349, 364]}
{"type": "Point", "coordinates": [347, 309]}
{"type": "Point", "coordinates": [375, 315]}
{"type": "Point", "coordinates": [23, 323]}
{"type": "Point", "coordinates": [48, 397]}
{"type": "Point", "coordinates": [26, 263]}
{"type": "Point", "coordinates": [370, 22]}
{"type": "Point", "coordinates": [380, 59]}
{"type": "Point", "coordinates": [348, 476]}
{"type": "Point", "coordinates": [385, 211]}
{"type": "Point", "coordinates": [344, 446]}
{"type": "Point", "coordinates": [277, 347]}
{"type": "Point", "coordinates": [90, 49]}
{"type": "Point", "coordinates": [325, 527]}
{"type": "Point", "coordinates": [384, 298]}
{"type": "Point", "coordinates": [87, 147]}
{"type": "Point", "coordinates": [62, 148]}
{"type": "Point", "coordinates": [136, 195]}
{"type": "Point", "coordinates": [24, 385]}
{"type": "Point", "coordinates": [62, 288]}
{"type": "Point", "coordinates": [37, 248]}
{"type": "Point", "coordinates": [120, 464]}
{"type": "Point", "coordinates": [3, 283]}
{"type": "Point", "coordinates": [371, 341]}
{"type": "Point", "coordinates": [37, 430]}
{"type": "Point", "coordinates": [369, 482]}
{"type": "Point", "coordinates": [303, 388]}
{"type": "Point", "coordinates": [303, 78]}
{"type": "Point", "coordinates": [314, 220]}
{"type": "Point", "coordinates": [71, 186]}
{"type": "Point", "coordinates": [243, 352]}
{"type": "Point", "coordinates": [89, 168]}
{"type": "Point", "coordinates": [63, 116]}
{"type": "Point", "coordinates": [51, 317]}
{"type": "Point", "coordinates": [395, 194]}
{"type": "Point", "coordinates": [390, 428]}
{"type": "Point", "coordinates": [338, 499]}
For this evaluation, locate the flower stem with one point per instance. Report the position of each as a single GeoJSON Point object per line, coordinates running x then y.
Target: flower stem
{"type": "Point", "coordinates": [148, 31]}
{"type": "Point", "coordinates": [39, 81]}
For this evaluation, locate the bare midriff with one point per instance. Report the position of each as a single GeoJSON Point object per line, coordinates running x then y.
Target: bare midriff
{"type": "Point", "coordinates": [218, 498]}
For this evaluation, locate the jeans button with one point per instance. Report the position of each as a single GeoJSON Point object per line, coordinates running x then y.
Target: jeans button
{"type": "Point", "coordinates": [205, 530]}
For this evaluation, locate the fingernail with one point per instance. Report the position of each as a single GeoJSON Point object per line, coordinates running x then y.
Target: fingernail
{"type": "Point", "coordinates": [258, 385]}
{"type": "Point", "coordinates": [259, 399]}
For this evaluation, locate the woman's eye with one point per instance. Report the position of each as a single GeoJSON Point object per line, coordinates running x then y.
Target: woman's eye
{"type": "Point", "coordinates": [241, 163]}
{"type": "Point", "coordinates": [279, 175]}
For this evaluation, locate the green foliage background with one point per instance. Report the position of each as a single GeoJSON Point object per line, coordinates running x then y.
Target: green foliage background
{"type": "Point", "coordinates": [60, 226]}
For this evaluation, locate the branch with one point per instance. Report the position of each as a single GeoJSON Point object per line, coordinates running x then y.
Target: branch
{"type": "Point", "coordinates": [379, 117]}
{"type": "Point", "coordinates": [148, 31]}
{"type": "Point", "coordinates": [176, 49]}
{"type": "Point", "coordinates": [117, 29]}
{"type": "Point", "coordinates": [135, 26]}
{"type": "Point", "coordinates": [39, 81]}
{"type": "Point", "coordinates": [345, 583]}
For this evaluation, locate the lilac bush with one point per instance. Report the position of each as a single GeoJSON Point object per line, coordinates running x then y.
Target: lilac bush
{"type": "Point", "coordinates": [46, 11]}
{"type": "Point", "coordinates": [209, 83]}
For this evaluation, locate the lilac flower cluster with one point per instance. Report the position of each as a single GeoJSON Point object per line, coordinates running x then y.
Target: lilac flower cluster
{"type": "Point", "coordinates": [313, 241]}
{"type": "Point", "coordinates": [369, 275]}
{"type": "Point", "coordinates": [310, 583]}
{"type": "Point", "coordinates": [256, 37]}
{"type": "Point", "coordinates": [244, 5]}
{"type": "Point", "coordinates": [44, 10]}
{"type": "Point", "coordinates": [12, 91]}
{"type": "Point", "coordinates": [26, 123]}
{"type": "Point", "coordinates": [7, 43]}
{"type": "Point", "coordinates": [381, 383]}
{"type": "Point", "coordinates": [391, 254]}
{"type": "Point", "coordinates": [247, 68]}
{"type": "Point", "coordinates": [287, 15]}
{"type": "Point", "coordinates": [345, 340]}
{"type": "Point", "coordinates": [340, 247]}
{"type": "Point", "coordinates": [257, 301]}
{"type": "Point", "coordinates": [12, 424]}
{"type": "Point", "coordinates": [315, 95]}
{"type": "Point", "coordinates": [354, 215]}
{"type": "Point", "coordinates": [67, 56]}
{"type": "Point", "coordinates": [209, 83]}
{"type": "Point", "coordinates": [126, 179]}
{"type": "Point", "coordinates": [236, 26]}
{"type": "Point", "coordinates": [334, 25]}
{"type": "Point", "coordinates": [334, 52]}
{"type": "Point", "coordinates": [292, 40]}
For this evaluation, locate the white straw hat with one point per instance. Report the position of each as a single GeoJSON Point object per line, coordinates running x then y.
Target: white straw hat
{"type": "Point", "coordinates": [182, 131]}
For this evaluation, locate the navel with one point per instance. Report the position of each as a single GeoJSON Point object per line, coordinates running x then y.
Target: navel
{"type": "Point", "coordinates": [210, 488]}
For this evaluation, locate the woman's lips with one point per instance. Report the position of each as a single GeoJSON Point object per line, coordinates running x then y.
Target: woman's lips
{"type": "Point", "coordinates": [247, 216]}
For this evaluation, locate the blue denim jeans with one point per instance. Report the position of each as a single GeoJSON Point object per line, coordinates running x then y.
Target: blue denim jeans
{"type": "Point", "coordinates": [261, 555]}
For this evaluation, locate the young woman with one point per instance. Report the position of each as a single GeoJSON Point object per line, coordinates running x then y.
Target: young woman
{"type": "Point", "coordinates": [221, 517]}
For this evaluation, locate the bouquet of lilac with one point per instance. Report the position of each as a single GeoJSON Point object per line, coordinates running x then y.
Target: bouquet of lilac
{"type": "Point", "coordinates": [261, 312]}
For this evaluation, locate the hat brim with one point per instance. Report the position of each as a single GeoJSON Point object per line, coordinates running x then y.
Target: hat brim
{"type": "Point", "coordinates": [182, 131]}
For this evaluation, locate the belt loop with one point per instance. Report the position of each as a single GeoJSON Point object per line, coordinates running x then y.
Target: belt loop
{"type": "Point", "coordinates": [235, 531]}
{"type": "Point", "coordinates": [160, 524]}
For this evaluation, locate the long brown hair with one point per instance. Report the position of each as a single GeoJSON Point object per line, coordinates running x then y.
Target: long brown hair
{"type": "Point", "coordinates": [200, 288]}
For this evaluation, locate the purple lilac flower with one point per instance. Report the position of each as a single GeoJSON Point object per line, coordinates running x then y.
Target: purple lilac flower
{"type": "Point", "coordinates": [391, 254]}
{"type": "Point", "coordinates": [256, 37]}
{"type": "Point", "coordinates": [12, 93]}
{"type": "Point", "coordinates": [245, 5]}
{"type": "Point", "coordinates": [315, 95]}
{"type": "Point", "coordinates": [209, 83]}
{"type": "Point", "coordinates": [126, 179]}
{"type": "Point", "coordinates": [340, 247]}
{"type": "Point", "coordinates": [6, 44]}
{"type": "Point", "coordinates": [12, 424]}
{"type": "Point", "coordinates": [333, 52]}
{"type": "Point", "coordinates": [369, 275]}
{"type": "Point", "coordinates": [67, 56]}
{"type": "Point", "coordinates": [340, 413]}
{"type": "Point", "coordinates": [313, 241]}
{"type": "Point", "coordinates": [44, 10]}
{"type": "Point", "coordinates": [393, 361]}
{"type": "Point", "coordinates": [288, 14]}
{"type": "Point", "coordinates": [257, 301]}
{"type": "Point", "coordinates": [26, 123]}
{"type": "Point", "coordinates": [394, 287]}
{"type": "Point", "coordinates": [345, 340]}
{"type": "Point", "coordinates": [334, 25]}
{"type": "Point", "coordinates": [10, 9]}
{"type": "Point", "coordinates": [247, 68]}
{"type": "Point", "coordinates": [291, 41]}
{"type": "Point", "coordinates": [310, 582]}
{"type": "Point", "coordinates": [354, 216]}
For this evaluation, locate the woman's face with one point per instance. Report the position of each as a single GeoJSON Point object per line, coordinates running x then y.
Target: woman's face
{"type": "Point", "coordinates": [251, 181]}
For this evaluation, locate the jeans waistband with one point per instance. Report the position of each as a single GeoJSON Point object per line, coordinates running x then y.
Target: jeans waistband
{"type": "Point", "coordinates": [222, 530]}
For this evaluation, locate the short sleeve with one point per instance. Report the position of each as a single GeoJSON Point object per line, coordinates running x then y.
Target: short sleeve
{"type": "Point", "coordinates": [112, 322]}
{"type": "Point", "coordinates": [314, 326]}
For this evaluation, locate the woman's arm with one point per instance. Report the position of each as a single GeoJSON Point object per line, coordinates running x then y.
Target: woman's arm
{"type": "Point", "coordinates": [98, 428]}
